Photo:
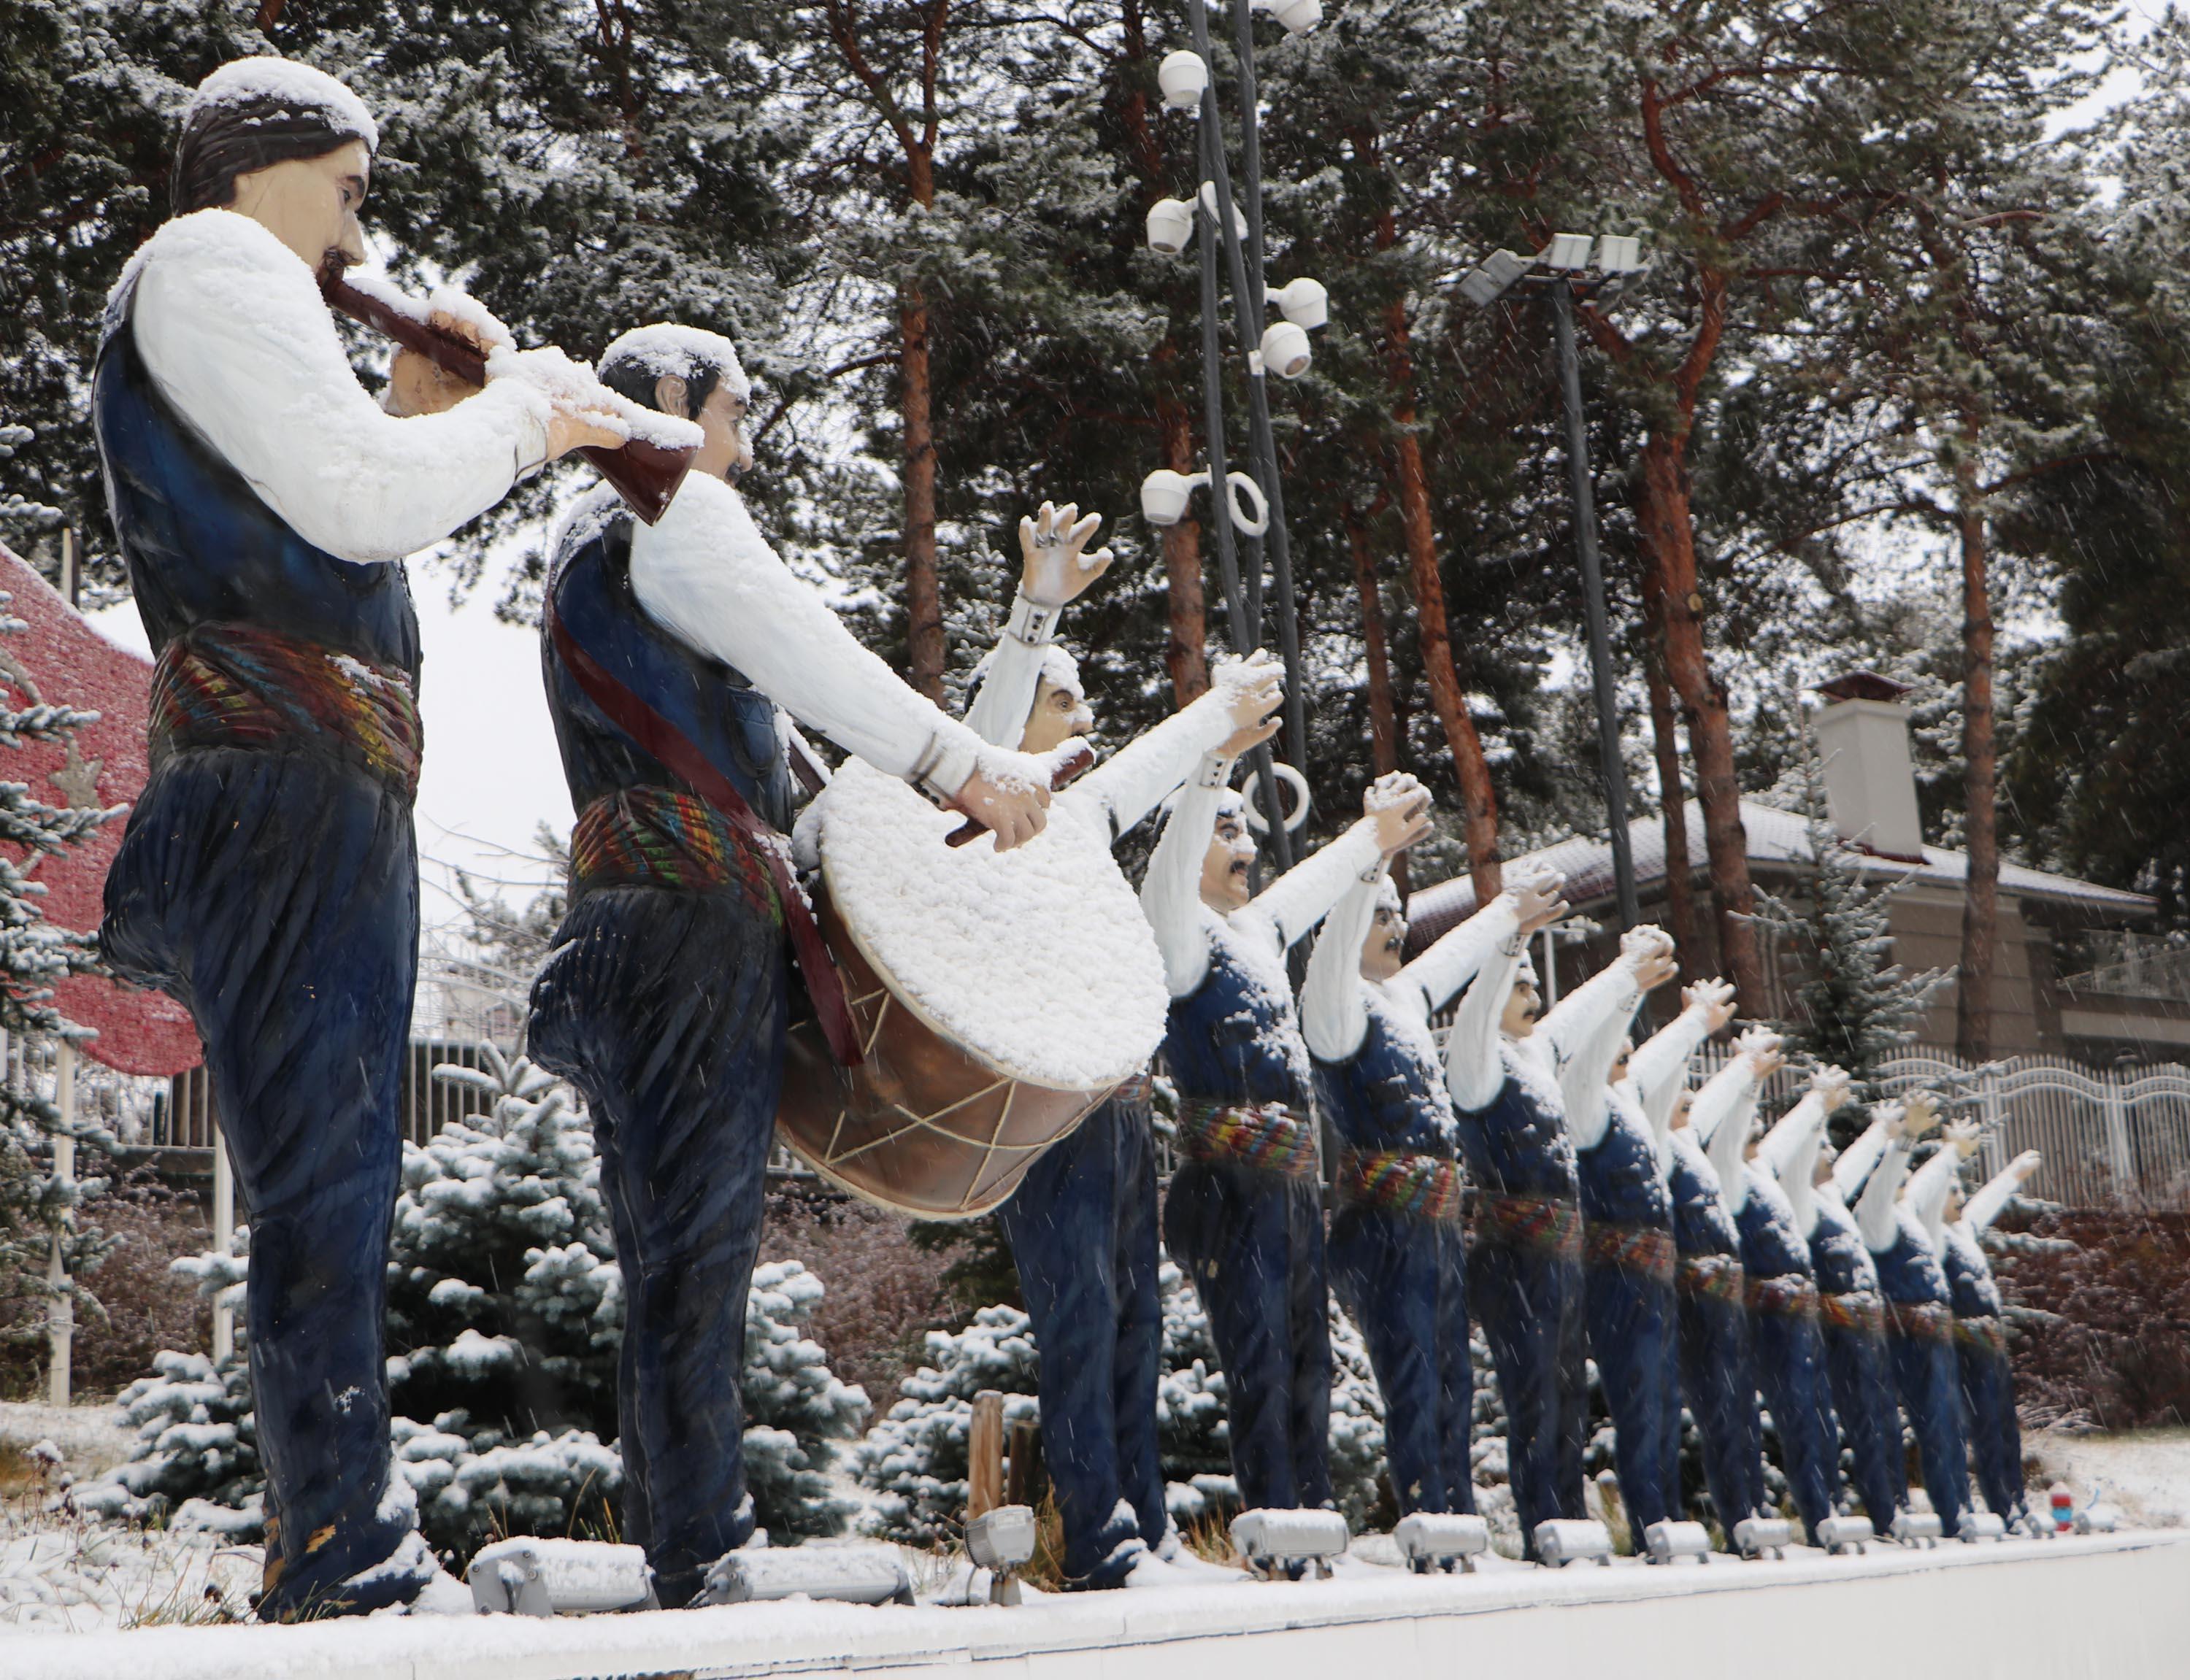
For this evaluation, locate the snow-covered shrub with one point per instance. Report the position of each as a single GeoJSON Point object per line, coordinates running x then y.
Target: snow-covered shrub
{"type": "Point", "coordinates": [1357, 1422]}
{"type": "Point", "coordinates": [197, 1458]}
{"type": "Point", "coordinates": [795, 1408]}
{"type": "Point", "coordinates": [1192, 1434]}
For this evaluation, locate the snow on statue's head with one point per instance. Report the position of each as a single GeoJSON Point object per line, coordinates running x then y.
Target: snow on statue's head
{"type": "Point", "coordinates": [1060, 709]}
{"type": "Point", "coordinates": [1226, 884]}
{"type": "Point", "coordinates": [286, 144]}
{"type": "Point", "coordinates": [1383, 953]}
{"type": "Point", "coordinates": [693, 374]}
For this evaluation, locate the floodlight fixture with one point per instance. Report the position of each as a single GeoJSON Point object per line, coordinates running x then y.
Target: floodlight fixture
{"type": "Point", "coordinates": [1911, 1526]}
{"type": "Point", "coordinates": [1753, 1536]}
{"type": "Point", "coordinates": [1560, 1540]}
{"type": "Point", "coordinates": [1567, 252]}
{"type": "Point", "coordinates": [1618, 253]}
{"type": "Point", "coordinates": [1285, 350]}
{"type": "Point", "coordinates": [1165, 495]}
{"type": "Point", "coordinates": [1667, 1541]}
{"type": "Point", "coordinates": [1171, 225]}
{"type": "Point", "coordinates": [546, 1577]}
{"type": "Point", "coordinates": [1977, 1525]}
{"type": "Point", "coordinates": [1298, 16]}
{"type": "Point", "coordinates": [1492, 277]}
{"type": "Point", "coordinates": [1839, 1533]}
{"type": "Point", "coordinates": [1437, 1540]}
{"type": "Point", "coordinates": [1277, 1543]}
{"type": "Point", "coordinates": [1303, 302]}
{"type": "Point", "coordinates": [1182, 78]}
{"type": "Point", "coordinates": [856, 1574]}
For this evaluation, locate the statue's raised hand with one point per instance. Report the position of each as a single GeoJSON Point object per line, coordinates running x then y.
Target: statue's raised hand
{"type": "Point", "coordinates": [1539, 899]}
{"type": "Point", "coordinates": [1961, 1135]}
{"type": "Point", "coordinates": [1399, 806]}
{"type": "Point", "coordinates": [1763, 1049]}
{"type": "Point", "coordinates": [1714, 998]}
{"type": "Point", "coordinates": [1830, 1084]}
{"type": "Point", "coordinates": [1055, 567]}
{"type": "Point", "coordinates": [1649, 951]}
{"type": "Point", "coordinates": [1919, 1114]}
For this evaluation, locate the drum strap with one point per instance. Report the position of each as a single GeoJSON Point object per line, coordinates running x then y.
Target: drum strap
{"type": "Point", "coordinates": [656, 734]}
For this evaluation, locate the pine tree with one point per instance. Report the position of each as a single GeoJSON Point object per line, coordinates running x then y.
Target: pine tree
{"type": "Point", "coordinates": [1853, 1007]}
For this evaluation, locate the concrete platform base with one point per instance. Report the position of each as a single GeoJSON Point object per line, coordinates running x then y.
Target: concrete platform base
{"type": "Point", "coordinates": [2110, 1608]}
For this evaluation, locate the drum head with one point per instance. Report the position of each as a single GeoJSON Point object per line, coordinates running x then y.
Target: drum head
{"type": "Point", "coordinates": [1036, 961]}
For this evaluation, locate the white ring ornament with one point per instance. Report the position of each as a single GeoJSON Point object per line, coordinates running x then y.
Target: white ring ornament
{"type": "Point", "coordinates": [1250, 791]}
{"type": "Point", "coordinates": [1252, 518]}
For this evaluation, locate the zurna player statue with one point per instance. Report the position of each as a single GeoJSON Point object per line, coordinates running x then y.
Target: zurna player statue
{"type": "Point", "coordinates": [268, 879]}
{"type": "Point", "coordinates": [1082, 1223]}
{"type": "Point", "coordinates": [670, 651]}
{"type": "Point", "coordinates": [1244, 1214]}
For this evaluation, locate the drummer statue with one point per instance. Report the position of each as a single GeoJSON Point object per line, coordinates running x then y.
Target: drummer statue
{"type": "Point", "coordinates": [1244, 1214]}
{"type": "Point", "coordinates": [268, 880]}
{"type": "Point", "coordinates": [1082, 1223]}
{"type": "Point", "coordinates": [667, 651]}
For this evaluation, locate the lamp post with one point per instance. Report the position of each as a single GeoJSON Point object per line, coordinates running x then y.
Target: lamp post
{"type": "Point", "coordinates": [1565, 269]}
{"type": "Point", "coordinates": [1280, 346]}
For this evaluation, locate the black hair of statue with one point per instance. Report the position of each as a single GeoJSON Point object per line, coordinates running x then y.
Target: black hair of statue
{"type": "Point", "coordinates": [635, 376]}
{"type": "Point", "coordinates": [225, 138]}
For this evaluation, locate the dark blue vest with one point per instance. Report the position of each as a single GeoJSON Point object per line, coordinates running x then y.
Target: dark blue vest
{"type": "Point", "coordinates": [1843, 1265]}
{"type": "Point", "coordinates": [1909, 1272]}
{"type": "Point", "coordinates": [1232, 1040]}
{"type": "Point", "coordinates": [1620, 1181]}
{"type": "Point", "coordinates": [1969, 1281]}
{"type": "Point", "coordinates": [1771, 1247]}
{"type": "Point", "coordinates": [731, 722]}
{"type": "Point", "coordinates": [1701, 1224]}
{"type": "Point", "coordinates": [1518, 1145]}
{"type": "Point", "coordinates": [1389, 1095]}
{"type": "Point", "coordinates": [202, 548]}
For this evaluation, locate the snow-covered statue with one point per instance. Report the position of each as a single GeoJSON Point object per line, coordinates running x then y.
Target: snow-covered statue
{"type": "Point", "coordinates": [268, 879]}
{"type": "Point", "coordinates": [670, 653]}
{"type": "Point", "coordinates": [1717, 1376]}
{"type": "Point", "coordinates": [1850, 1308]}
{"type": "Point", "coordinates": [1397, 1254]}
{"type": "Point", "coordinates": [1244, 1214]}
{"type": "Point", "coordinates": [1627, 1231]}
{"type": "Point", "coordinates": [1920, 1312]}
{"type": "Point", "coordinates": [1524, 1265]}
{"type": "Point", "coordinates": [1981, 1338]}
{"type": "Point", "coordinates": [1082, 1223]}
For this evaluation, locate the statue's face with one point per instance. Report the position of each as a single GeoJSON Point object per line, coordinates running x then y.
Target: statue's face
{"type": "Point", "coordinates": [724, 451]}
{"type": "Point", "coordinates": [1523, 1004]}
{"type": "Point", "coordinates": [1823, 1172]}
{"type": "Point", "coordinates": [1619, 1066]}
{"type": "Point", "coordinates": [1954, 1203]}
{"type": "Point", "coordinates": [311, 204]}
{"type": "Point", "coordinates": [1224, 866]}
{"type": "Point", "coordinates": [1384, 952]}
{"type": "Point", "coordinates": [1682, 1104]}
{"type": "Point", "coordinates": [1056, 717]}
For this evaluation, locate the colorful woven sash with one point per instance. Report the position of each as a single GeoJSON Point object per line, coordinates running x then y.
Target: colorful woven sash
{"type": "Point", "coordinates": [1422, 1186]}
{"type": "Point", "coordinates": [1646, 1250]}
{"type": "Point", "coordinates": [1789, 1295]}
{"type": "Point", "coordinates": [1535, 1222]}
{"type": "Point", "coordinates": [237, 685]}
{"type": "Point", "coordinates": [1272, 1138]}
{"type": "Point", "coordinates": [1922, 1321]}
{"type": "Point", "coordinates": [1859, 1309]}
{"type": "Point", "coordinates": [1714, 1277]}
{"type": "Point", "coordinates": [660, 837]}
{"type": "Point", "coordinates": [1983, 1330]}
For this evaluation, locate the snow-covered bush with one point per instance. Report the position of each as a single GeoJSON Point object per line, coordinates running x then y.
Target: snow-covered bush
{"type": "Point", "coordinates": [505, 1316]}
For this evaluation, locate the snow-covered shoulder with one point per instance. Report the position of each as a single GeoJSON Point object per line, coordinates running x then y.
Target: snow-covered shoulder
{"type": "Point", "coordinates": [1037, 959]}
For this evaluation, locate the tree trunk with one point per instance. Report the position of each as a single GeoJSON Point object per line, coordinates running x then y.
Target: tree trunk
{"type": "Point", "coordinates": [923, 591]}
{"type": "Point", "coordinates": [1680, 868]}
{"type": "Point", "coordinates": [1669, 537]}
{"type": "Point", "coordinates": [1186, 653]}
{"type": "Point", "coordinates": [1383, 715]}
{"type": "Point", "coordinates": [1981, 892]}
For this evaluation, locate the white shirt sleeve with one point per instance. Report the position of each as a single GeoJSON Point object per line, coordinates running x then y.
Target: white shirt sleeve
{"type": "Point", "coordinates": [1877, 1215]}
{"type": "Point", "coordinates": [1170, 891]}
{"type": "Point", "coordinates": [706, 574]}
{"type": "Point", "coordinates": [1449, 965]}
{"type": "Point", "coordinates": [1138, 777]}
{"type": "Point", "coordinates": [1473, 1068]}
{"type": "Point", "coordinates": [1301, 896]}
{"type": "Point", "coordinates": [1725, 1146]}
{"type": "Point", "coordinates": [1583, 1033]}
{"type": "Point", "coordinates": [1928, 1192]}
{"type": "Point", "coordinates": [1981, 1210]}
{"type": "Point", "coordinates": [1334, 1014]}
{"type": "Point", "coordinates": [1659, 1065]}
{"type": "Point", "coordinates": [234, 333]}
{"type": "Point", "coordinates": [999, 710]}
{"type": "Point", "coordinates": [1859, 1157]}
{"type": "Point", "coordinates": [1724, 1095]}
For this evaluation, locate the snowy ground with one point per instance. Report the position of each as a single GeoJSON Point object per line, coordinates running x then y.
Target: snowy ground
{"type": "Point", "coordinates": [2147, 1475]}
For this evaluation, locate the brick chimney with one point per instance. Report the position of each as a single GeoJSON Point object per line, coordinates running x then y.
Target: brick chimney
{"type": "Point", "coordinates": [1871, 780]}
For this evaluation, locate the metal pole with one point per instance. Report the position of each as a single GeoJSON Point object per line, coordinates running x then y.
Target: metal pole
{"type": "Point", "coordinates": [71, 585]}
{"type": "Point", "coordinates": [224, 1243]}
{"type": "Point", "coordinates": [1592, 585]}
{"type": "Point", "coordinates": [60, 1310]}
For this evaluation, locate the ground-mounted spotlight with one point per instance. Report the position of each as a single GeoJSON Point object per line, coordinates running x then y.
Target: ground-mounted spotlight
{"type": "Point", "coordinates": [1560, 1540]}
{"type": "Point", "coordinates": [1667, 1541]}
{"type": "Point", "coordinates": [1437, 1540]}
{"type": "Point", "coordinates": [1275, 1543]}
{"type": "Point", "coordinates": [1305, 302]}
{"type": "Point", "coordinates": [1285, 350]}
{"type": "Point", "coordinates": [2097, 1519]}
{"type": "Point", "coordinates": [1846, 1534]}
{"type": "Point", "coordinates": [531, 1576]}
{"type": "Point", "coordinates": [1753, 1536]}
{"type": "Point", "coordinates": [1170, 226]}
{"type": "Point", "coordinates": [1911, 1526]}
{"type": "Point", "coordinates": [1978, 1525]}
{"type": "Point", "coordinates": [1182, 78]}
{"type": "Point", "coordinates": [1002, 1540]}
{"type": "Point", "coordinates": [853, 1575]}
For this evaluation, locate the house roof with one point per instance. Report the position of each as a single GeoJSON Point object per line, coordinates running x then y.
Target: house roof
{"type": "Point", "coordinates": [1776, 838]}
{"type": "Point", "coordinates": [57, 657]}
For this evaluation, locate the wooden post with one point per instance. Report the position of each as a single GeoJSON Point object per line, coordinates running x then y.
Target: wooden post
{"type": "Point", "coordinates": [1024, 1472]}
{"type": "Point", "coordinates": [60, 1311]}
{"type": "Point", "coordinates": [71, 585]}
{"type": "Point", "coordinates": [224, 1239]}
{"type": "Point", "coordinates": [984, 1455]}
